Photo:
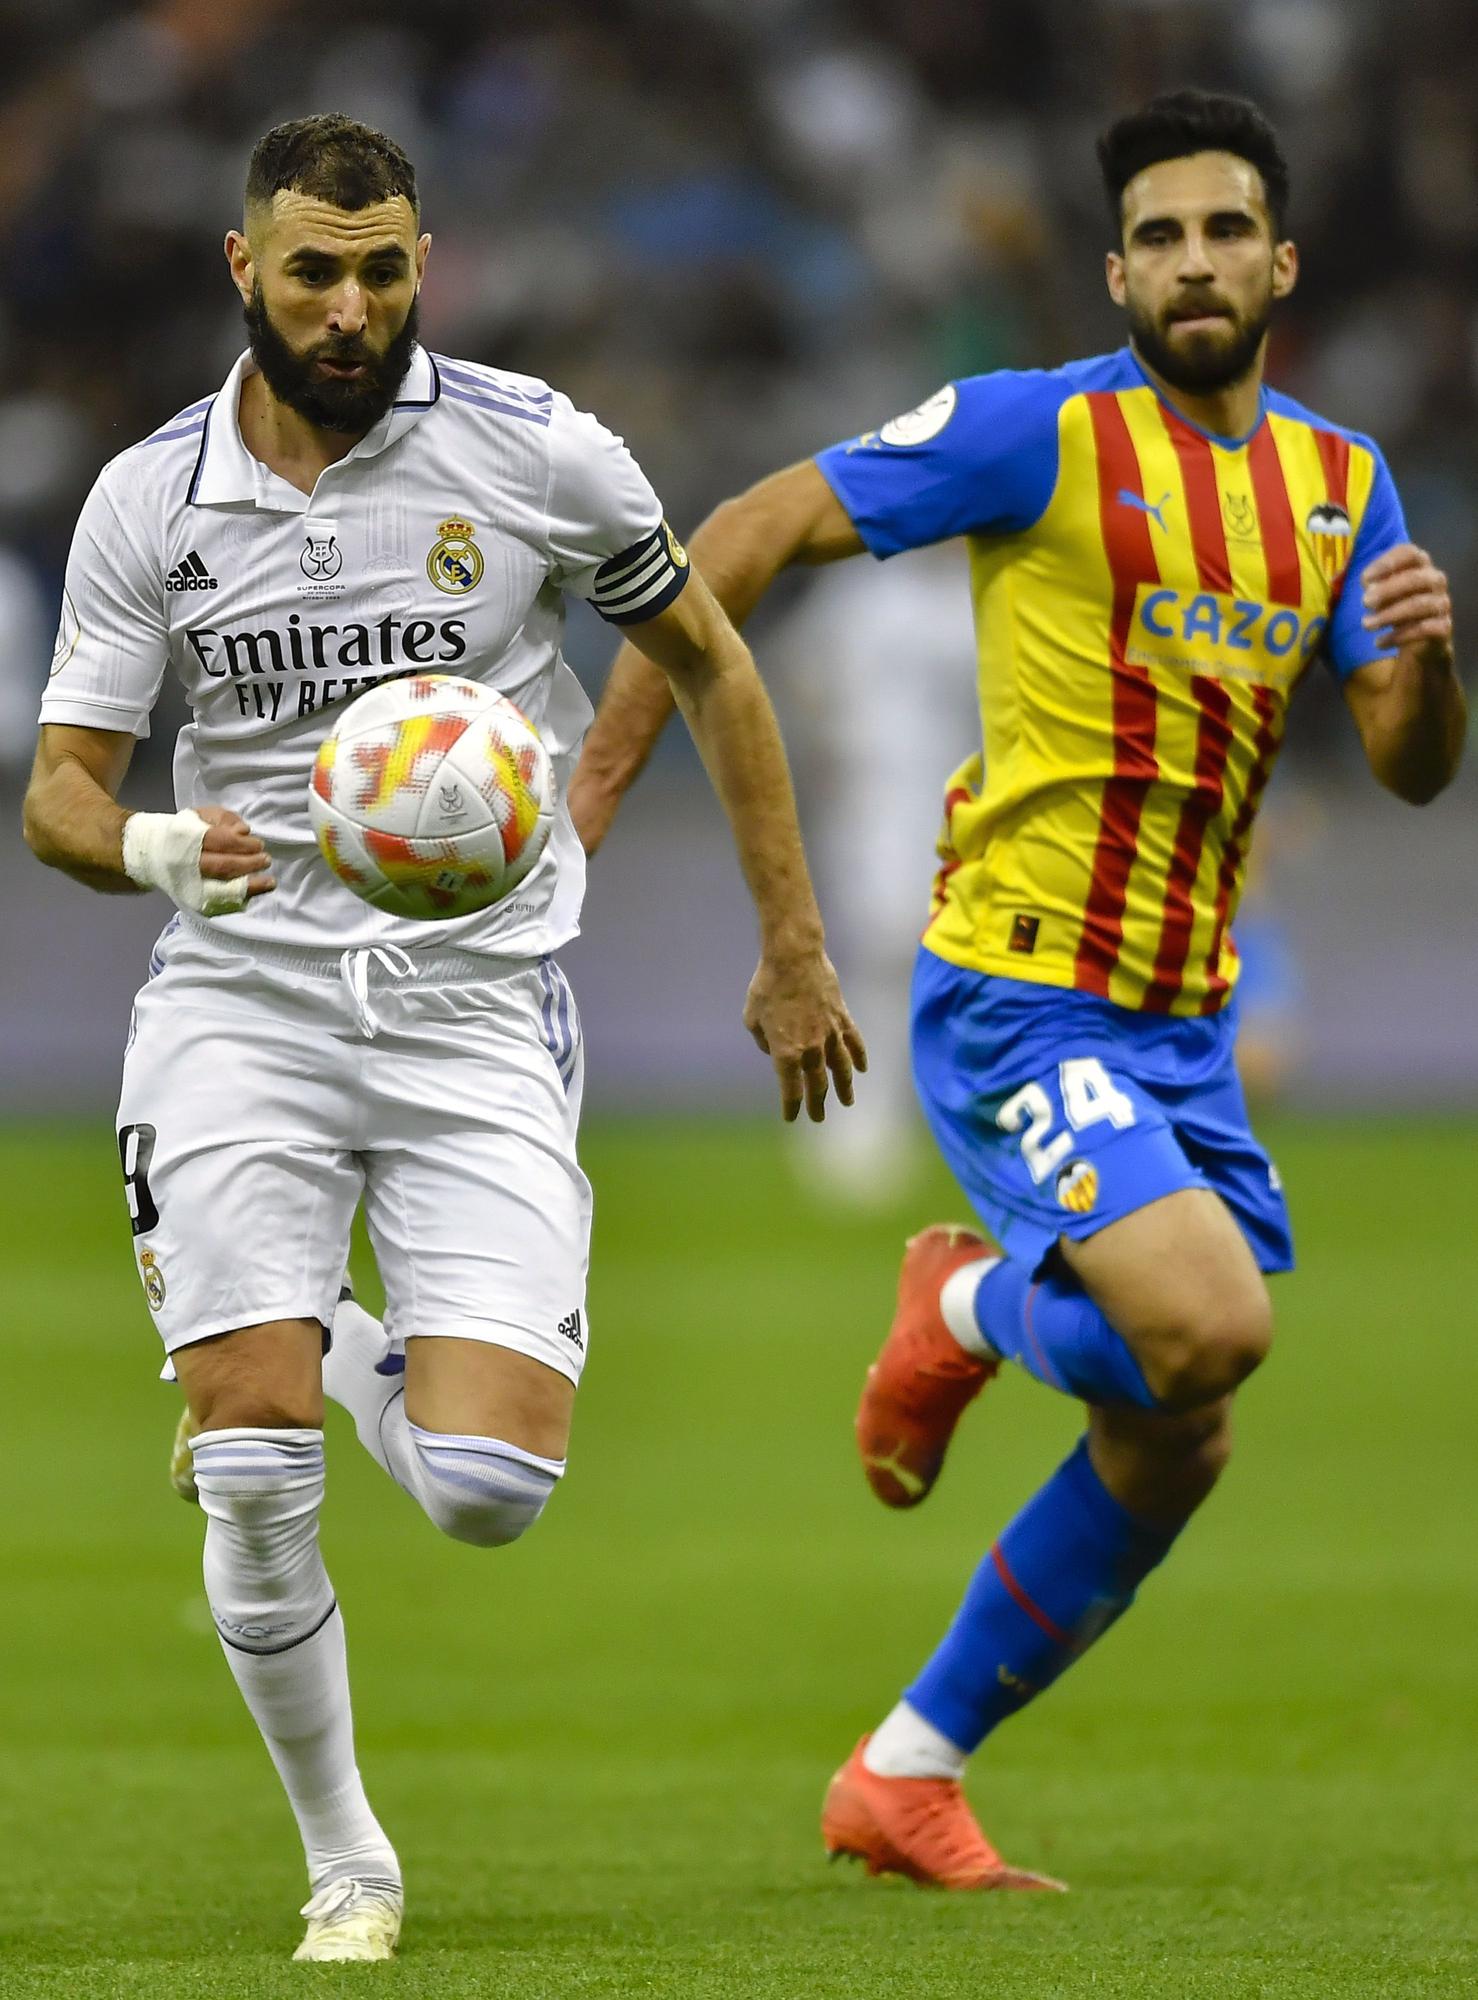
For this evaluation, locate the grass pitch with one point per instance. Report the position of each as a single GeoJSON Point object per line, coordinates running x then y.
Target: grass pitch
{"type": "Point", "coordinates": [601, 1752]}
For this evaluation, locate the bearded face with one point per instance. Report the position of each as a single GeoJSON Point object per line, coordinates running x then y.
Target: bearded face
{"type": "Point", "coordinates": [339, 382]}
{"type": "Point", "coordinates": [1201, 269]}
{"type": "Point", "coordinates": [1202, 343]}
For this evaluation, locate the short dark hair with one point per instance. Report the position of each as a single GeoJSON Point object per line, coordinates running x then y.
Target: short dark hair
{"type": "Point", "coordinates": [1193, 121]}
{"type": "Point", "coordinates": [331, 158]}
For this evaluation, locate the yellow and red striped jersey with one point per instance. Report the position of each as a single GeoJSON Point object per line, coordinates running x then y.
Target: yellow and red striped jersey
{"type": "Point", "coordinates": [1147, 597]}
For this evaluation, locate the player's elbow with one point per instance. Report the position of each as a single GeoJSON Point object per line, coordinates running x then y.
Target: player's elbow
{"type": "Point", "coordinates": [34, 828]}
{"type": "Point", "coordinates": [1418, 785]}
{"type": "Point", "coordinates": [1416, 758]}
{"type": "Point", "coordinates": [748, 539]}
{"type": "Point", "coordinates": [1414, 783]}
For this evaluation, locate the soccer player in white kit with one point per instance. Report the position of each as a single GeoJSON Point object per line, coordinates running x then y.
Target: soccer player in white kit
{"type": "Point", "coordinates": [350, 507]}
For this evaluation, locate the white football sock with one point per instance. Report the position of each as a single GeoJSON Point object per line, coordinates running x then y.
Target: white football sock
{"type": "Point", "coordinates": [904, 1745]}
{"type": "Point", "coordinates": [283, 1636]}
{"type": "Point", "coordinates": [350, 1378]}
{"type": "Point", "coordinates": [475, 1489]}
{"type": "Point", "coordinates": [957, 1303]}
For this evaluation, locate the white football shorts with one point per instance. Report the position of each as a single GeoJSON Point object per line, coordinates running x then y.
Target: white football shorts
{"type": "Point", "coordinates": [268, 1091]}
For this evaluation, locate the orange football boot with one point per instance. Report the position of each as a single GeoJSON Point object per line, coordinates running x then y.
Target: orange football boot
{"type": "Point", "coordinates": [922, 1381]}
{"type": "Point", "coordinates": [919, 1827]}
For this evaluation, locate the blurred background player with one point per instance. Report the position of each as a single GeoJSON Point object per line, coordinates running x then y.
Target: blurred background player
{"type": "Point", "coordinates": [296, 1050]}
{"type": "Point", "coordinates": [1272, 991]}
{"type": "Point", "coordinates": [873, 738]}
{"type": "Point", "coordinates": [1160, 547]}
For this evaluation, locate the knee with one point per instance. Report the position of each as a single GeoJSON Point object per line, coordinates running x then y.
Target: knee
{"type": "Point", "coordinates": [481, 1490]}
{"type": "Point", "coordinates": [259, 1475]}
{"type": "Point", "coordinates": [1210, 1350]}
{"type": "Point", "coordinates": [261, 1491]}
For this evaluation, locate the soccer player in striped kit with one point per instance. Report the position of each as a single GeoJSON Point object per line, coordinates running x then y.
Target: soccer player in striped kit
{"type": "Point", "coordinates": [1160, 548]}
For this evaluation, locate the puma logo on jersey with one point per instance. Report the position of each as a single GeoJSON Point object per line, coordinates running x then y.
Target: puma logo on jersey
{"type": "Point", "coordinates": [1155, 512]}
{"type": "Point", "coordinates": [191, 574]}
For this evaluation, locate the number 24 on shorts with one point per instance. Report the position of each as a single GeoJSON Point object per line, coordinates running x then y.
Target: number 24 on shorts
{"type": "Point", "coordinates": [1089, 1096]}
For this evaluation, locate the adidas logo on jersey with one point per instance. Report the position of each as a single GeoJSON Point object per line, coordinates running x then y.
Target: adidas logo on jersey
{"type": "Point", "coordinates": [191, 574]}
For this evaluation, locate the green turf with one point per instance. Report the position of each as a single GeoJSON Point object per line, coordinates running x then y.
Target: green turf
{"type": "Point", "coordinates": [601, 1752]}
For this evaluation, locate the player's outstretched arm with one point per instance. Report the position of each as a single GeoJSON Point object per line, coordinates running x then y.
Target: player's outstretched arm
{"type": "Point", "coordinates": [207, 860]}
{"type": "Point", "coordinates": [795, 1009]}
{"type": "Point", "coordinates": [791, 517]}
{"type": "Point", "coordinates": [1409, 707]}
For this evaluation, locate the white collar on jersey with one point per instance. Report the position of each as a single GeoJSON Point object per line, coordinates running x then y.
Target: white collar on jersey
{"type": "Point", "coordinates": [225, 473]}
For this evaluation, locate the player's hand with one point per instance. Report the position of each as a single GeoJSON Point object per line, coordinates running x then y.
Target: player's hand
{"type": "Point", "coordinates": [230, 848]}
{"type": "Point", "coordinates": [1406, 603]}
{"type": "Point", "coordinates": [797, 1015]}
{"type": "Point", "coordinates": [206, 860]}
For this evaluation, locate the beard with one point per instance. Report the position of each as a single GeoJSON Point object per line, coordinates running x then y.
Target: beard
{"type": "Point", "coordinates": [352, 407]}
{"type": "Point", "coordinates": [1206, 362]}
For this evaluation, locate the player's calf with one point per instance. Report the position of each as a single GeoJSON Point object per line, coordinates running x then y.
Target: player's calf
{"type": "Point", "coordinates": [1161, 1466]}
{"type": "Point", "coordinates": [261, 1489]}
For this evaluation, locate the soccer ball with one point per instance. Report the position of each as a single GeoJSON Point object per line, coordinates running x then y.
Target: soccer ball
{"type": "Point", "coordinates": [433, 798]}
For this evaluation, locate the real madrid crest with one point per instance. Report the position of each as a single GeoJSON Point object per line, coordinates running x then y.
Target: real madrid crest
{"type": "Point", "coordinates": [153, 1279]}
{"type": "Point", "coordinates": [455, 561]}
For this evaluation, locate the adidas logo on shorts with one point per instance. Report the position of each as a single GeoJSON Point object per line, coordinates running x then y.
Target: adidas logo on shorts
{"type": "Point", "coordinates": [191, 574]}
{"type": "Point", "coordinates": [570, 1329]}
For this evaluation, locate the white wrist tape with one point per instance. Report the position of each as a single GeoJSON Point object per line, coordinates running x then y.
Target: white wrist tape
{"type": "Point", "coordinates": [162, 851]}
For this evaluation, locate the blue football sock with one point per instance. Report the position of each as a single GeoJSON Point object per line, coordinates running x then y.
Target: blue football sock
{"type": "Point", "coordinates": [1052, 1329]}
{"type": "Point", "coordinates": [1060, 1575]}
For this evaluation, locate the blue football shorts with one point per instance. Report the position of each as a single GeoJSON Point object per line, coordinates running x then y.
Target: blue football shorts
{"type": "Point", "coordinates": [1060, 1113]}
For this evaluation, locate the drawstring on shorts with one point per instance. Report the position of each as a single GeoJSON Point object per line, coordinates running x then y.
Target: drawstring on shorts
{"type": "Point", "coordinates": [354, 969]}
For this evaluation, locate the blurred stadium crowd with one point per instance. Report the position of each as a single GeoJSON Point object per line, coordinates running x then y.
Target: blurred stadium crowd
{"type": "Point", "coordinates": [736, 232]}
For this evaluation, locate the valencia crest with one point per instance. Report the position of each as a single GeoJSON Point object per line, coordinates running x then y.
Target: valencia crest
{"type": "Point", "coordinates": [455, 562]}
{"type": "Point", "coordinates": [1330, 527]}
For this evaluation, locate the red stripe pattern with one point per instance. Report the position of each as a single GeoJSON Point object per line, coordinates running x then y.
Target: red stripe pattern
{"type": "Point", "coordinates": [1334, 456]}
{"type": "Point", "coordinates": [1214, 735]}
{"type": "Point", "coordinates": [1264, 750]}
{"type": "Point", "coordinates": [1203, 501]}
{"type": "Point", "coordinates": [1275, 516]}
{"type": "Point", "coordinates": [949, 860]}
{"type": "Point", "coordinates": [1022, 1602]}
{"type": "Point", "coordinates": [1202, 804]}
{"type": "Point", "coordinates": [1131, 559]}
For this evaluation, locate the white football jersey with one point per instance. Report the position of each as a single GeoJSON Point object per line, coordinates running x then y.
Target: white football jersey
{"type": "Point", "coordinates": [443, 542]}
